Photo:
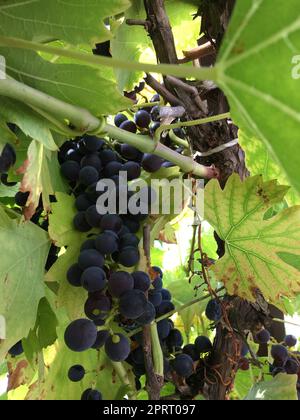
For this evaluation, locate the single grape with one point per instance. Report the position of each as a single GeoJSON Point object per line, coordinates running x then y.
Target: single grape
{"type": "Point", "coordinates": [141, 280]}
{"type": "Point", "coordinates": [111, 222]}
{"type": "Point", "coordinates": [166, 295]}
{"type": "Point", "coordinates": [155, 113]}
{"type": "Point", "coordinates": [148, 316]}
{"type": "Point", "coordinates": [203, 344]}
{"type": "Point", "coordinates": [155, 98]}
{"type": "Point", "coordinates": [158, 284]}
{"type": "Point", "coordinates": [107, 156]}
{"type": "Point", "coordinates": [93, 161]}
{"type": "Point", "coordinates": [165, 307]}
{"type": "Point", "coordinates": [97, 308]}
{"type": "Point", "coordinates": [142, 119]}
{"type": "Point", "coordinates": [183, 365]}
{"type": "Point", "coordinates": [155, 297]}
{"type": "Point", "coordinates": [132, 225]}
{"type": "Point", "coordinates": [263, 337]}
{"type": "Point", "coordinates": [92, 216]}
{"type": "Point", "coordinates": [151, 163]}
{"type": "Point", "coordinates": [174, 339]}
{"type": "Point", "coordinates": [292, 367]}
{"type": "Point", "coordinates": [107, 243]}
{"type": "Point", "coordinates": [88, 175]}
{"type": "Point", "coordinates": [112, 168]}
{"type": "Point", "coordinates": [213, 310]}
{"type": "Point", "coordinates": [80, 222]}
{"type": "Point", "coordinates": [129, 256]}
{"type": "Point", "coordinates": [130, 152]}
{"type": "Point", "coordinates": [119, 119]}
{"type": "Point", "coordinates": [129, 239]}
{"type": "Point", "coordinates": [93, 279]}
{"type": "Point", "coordinates": [16, 350]}
{"type": "Point", "coordinates": [80, 335]}
{"type": "Point", "coordinates": [88, 244]}
{"type": "Point", "coordinates": [70, 170]}
{"type": "Point", "coordinates": [133, 304]}
{"type": "Point", "coordinates": [163, 329]}
{"type": "Point", "coordinates": [74, 275]}
{"type": "Point", "coordinates": [290, 341]}
{"type": "Point", "coordinates": [82, 202]}
{"type": "Point", "coordinates": [129, 126]}
{"type": "Point", "coordinates": [74, 155]}
{"type": "Point", "coordinates": [279, 353]}
{"type": "Point", "coordinates": [102, 336]}
{"type": "Point", "coordinates": [76, 373]}
{"type": "Point", "coordinates": [133, 170]}
{"type": "Point", "coordinates": [167, 164]}
{"type": "Point", "coordinates": [117, 347]}
{"type": "Point", "coordinates": [93, 144]}
{"type": "Point", "coordinates": [91, 395]}
{"type": "Point", "coordinates": [153, 127]}
{"type": "Point", "coordinates": [158, 271]}
{"type": "Point", "coordinates": [190, 350]}
{"type": "Point", "coordinates": [90, 258]}
{"type": "Point", "coordinates": [119, 283]}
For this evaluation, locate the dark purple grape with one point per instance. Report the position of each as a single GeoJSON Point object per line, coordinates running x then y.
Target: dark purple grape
{"type": "Point", "coordinates": [93, 144]}
{"type": "Point", "coordinates": [102, 336]}
{"type": "Point", "coordinates": [203, 344]}
{"type": "Point", "coordinates": [119, 119]}
{"type": "Point", "coordinates": [89, 244]}
{"type": "Point", "coordinates": [90, 258]}
{"type": "Point", "coordinates": [292, 367]}
{"type": "Point", "coordinates": [163, 329]}
{"type": "Point", "coordinates": [119, 283]}
{"type": "Point", "coordinates": [133, 170]}
{"type": "Point", "coordinates": [141, 280]}
{"type": "Point", "coordinates": [155, 98]}
{"type": "Point", "coordinates": [73, 155]}
{"type": "Point", "coordinates": [107, 243]}
{"type": "Point", "coordinates": [129, 256]}
{"type": "Point", "coordinates": [158, 284]}
{"type": "Point", "coordinates": [279, 353]}
{"type": "Point", "coordinates": [74, 275]}
{"type": "Point", "coordinates": [168, 164]}
{"type": "Point", "coordinates": [174, 339]}
{"type": "Point", "coordinates": [165, 307]}
{"type": "Point", "coordinates": [107, 156]}
{"type": "Point", "coordinates": [130, 152]}
{"type": "Point", "coordinates": [97, 308]}
{"type": "Point", "coordinates": [213, 310]}
{"type": "Point", "coordinates": [88, 175]}
{"type": "Point", "coordinates": [76, 373]}
{"type": "Point", "coordinates": [155, 298]}
{"type": "Point", "coordinates": [183, 365]}
{"type": "Point", "coordinates": [80, 222]}
{"type": "Point", "coordinates": [155, 113]}
{"type": "Point", "coordinates": [263, 337]}
{"type": "Point", "coordinates": [93, 161]}
{"type": "Point", "coordinates": [80, 335]}
{"type": "Point", "coordinates": [112, 168]}
{"type": "Point", "coordinates": [111, 222]}
{"type": "Point", "coordinates": [166, 295]}
{"type": "Point", "coordinates": [129, 239]}
{"type": "Point", "coordinates": [93, 279]}
{"type": "Point", "coordinates": [142, 119]}
{"type": "Point", "coordinates": [148, 316]}
{"type": "Point", "coordinates": [91, 395]}
{"type": "Point", "coordinates": [190, 350]}
{"type": "Point", "coordinates": [82, 202]}
{"type": "Point", "coordinates": [70, 170]}
{"type": "Point", "coordinates": [133, 304]}
{"type": "Point", "coordinates": [290, 341]}
{"type": "Point", "coordinates": [151, 163]}
{"type": "Point", "coordinates": [158, 271]}
{"type": "Point", "coordinates": [117, 347]}
{"type": "Point", "coordinates": [129, 126]}
{"type": "Point", "coordinates": [16, 350]}
{"type": "Point", "coordinates": [131, 224]}
{"type": "Point", "coordinates": [93, 217]}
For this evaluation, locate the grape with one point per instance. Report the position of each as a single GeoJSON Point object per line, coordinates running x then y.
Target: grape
{"type": "Point", "coordinates": [290, 341]}
{"type": "Point", "coordinates": [279, 353]}
{"type": "Point", "coordinates": [151, 163]}
{"type": "Point", "coordinates": [148, 316]}
{"type": "Point", "coordinates": [129, 256]}
{"type": "Point", "coordinates": [90, 258]}
{"type": "Point", "coordinates": [130, 152]}
{"type": "Point", "coordinates": [142, 119]}
{"type": "Point", "coordinates": [174, 339]}
{"type": "Point", "coordinates": [82, 202]}
{"type": "Point", "coordinates": [153, 127]}
{"type": "Point", "coordinates": [158, 271]}
{"type": "Point", "coordinates": [107, 242]}
{"type": "Point", "coordinates": [124, 231]}
{"type": "Point", "coordinates": [292, 367]}
{"type": "Point", "coordinates": [73, 155]}
{"type": "Point", "coordinates": [93, 279]}
{"type": "Point", "coordinates": [158, 284]}
{"type": "Point", "coordinates": [133, 304]}
{"type": "Point", "coordinates": [129, 126]}
{"type": "Point", "coordinates": [99, 322]}
{"type": "Point", "coordinates": [117, 347]}
{"type": "Point", "coordinates": [190, 350]}
{"type": "Point", "coordinates": [132, 225]}
{"type": "Point", "coordinates": [111, 222]}
{"type": "Point", "coordinates": [141, 280]}
{"type": "Point", "coordinates": [166, 295]}
{"type": "Point", "coordinates": [183, 365]}
{"type": "Point", "coordinates": [133, 170]}
{"type": "Point", "coordinates": [155, 298]}
{"type": "Point", "coordinates": [91, 395]}
{"type": "Point", "coordinates": [155, 113]}
{"type": "Point", "coordinates": [119, 283]}
{"type": "Point", "coordinates": [137, 356]}
{"type": "Point", "coordinates": [4, 180]}
{"type": "Point", "coordinates": [80, 335]}
{"type": "Point", "coordinates": [88, 175]}
{"type": "Point", "coordinates": [8, 158]}
{"type": "Point", "coordinates": [203, 344]}
{"type": "Point", "coordinates": [155, 98]}
{"type": "Point", "coordinates": [213, 310]}
{"type": "Point", "coordinates": [97, 308]}
{"type": "Point", "coordinates": [244, 364]}
{"type": "Point", "coordinates": [76, 373]}
{"type": "Point", "coordinates": [80, 222]}
{"type": "Point", "coordinates": [165, 307]}
{"type": "Point", "coordinates": [129, 239]}
{"type": "Point", "coordinates": [93, 144]}
{"type": "Point", "coordinates": [244, 350]}
{"type": "Point", "coordinates": [113, 168]}
{"type": "Point", "coordinates": [107, 156]}
{"type": "Point", "coordinates": [163, 329]}
{"type": "Point", "coordinates": [102, 336]}
{"type": "Point", "coordinates": [16, 350]}
{"type": "Point", "coordinates": [263, 337]}
{"type": "Point", "coordinates": [92, 160]}
{"type": "Point", "coordinates": [92, 216]}
{"type": "Point", "coordinates": [167, 164]}
{"type": "Point", "coordinates": [119, 119]}
{"type": "Point", "coordinates": [70, 170]}
{"type": "Point", "coordinates": [74, 275]}
{"type": "Point", "coordinates": [89, 244]}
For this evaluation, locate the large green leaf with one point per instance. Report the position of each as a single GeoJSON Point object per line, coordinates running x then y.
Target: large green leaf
{"type": "Point", "coordinates": [21, 276]}
{"type": "Point", "coordinates": [256, 72]}
{"type": "Point", "coordinates": [253, 245]}
{"type": "Point", "coordinates": [75, 83]}
{"type": "Point", "coordinates": [282, 387]}
{"type": "Point", "coordinates": [75, 21]}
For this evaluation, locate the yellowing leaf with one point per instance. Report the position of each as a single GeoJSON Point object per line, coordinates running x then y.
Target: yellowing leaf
{"type": "Point", "coordinates": [253, 245]}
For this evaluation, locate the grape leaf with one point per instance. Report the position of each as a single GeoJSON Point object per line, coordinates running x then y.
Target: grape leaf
{"type": "Point", "coordinates": [283, 387]}
{"type": "Point", "coordinates": [255, 69]}
{"type": "Point", "coordinates": [75, 21]}
{"type": "Point", "coordinates": [21, 276]}
{"type": "Point", "coordinates": [253, 245]}
{"type": "Point", "coordinates": [77, 84]}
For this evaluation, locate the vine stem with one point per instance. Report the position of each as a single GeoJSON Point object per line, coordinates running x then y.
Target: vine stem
{"type": "Point", "coordinates": [123, 375]}
{"type": "Point", "coordinates": [282, 321]}
{"type": "Point", "coordinates": [204, 73]}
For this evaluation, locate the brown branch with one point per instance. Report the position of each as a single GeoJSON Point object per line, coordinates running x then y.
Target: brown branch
{"type": "Point", "coordinates": [138, 22]}
{"type": "Point", "coordinates": [198, 52]}
{"type": "Point", "coordinates": [162, 90]}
